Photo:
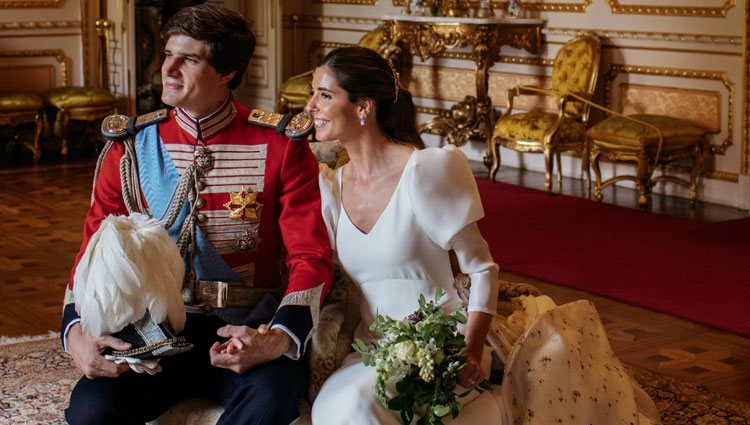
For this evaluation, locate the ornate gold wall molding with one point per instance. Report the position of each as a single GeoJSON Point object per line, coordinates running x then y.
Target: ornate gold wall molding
{"type": "Point", "coordinates": [615, 70]}
{"type": "Point", "coordinates": [699, 12]}
{"type": "Point", "coordinates": [59, 55]}
{"type": "Point", "coordinates": [28, 4]}
{"type": "Point", "coordinates": [319, 19]}
{"type": "Point", "coordinates": [707, 174]}
{"type": "Point", "coordinates": [314, 51]}
{"type": "Point", "coordinates": [31, 25]}
{"type": "Point", "coordinates": [530, 6]}
{"type": "Point", "coordinates": [650, 35]}
{"type": "Point", "coordinates": [360, 2]}
{"type": "Point", "coordinates": [745, 163]}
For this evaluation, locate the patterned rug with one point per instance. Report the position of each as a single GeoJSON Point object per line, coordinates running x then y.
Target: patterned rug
{"type": "Point", "coordinates": [36, 379]}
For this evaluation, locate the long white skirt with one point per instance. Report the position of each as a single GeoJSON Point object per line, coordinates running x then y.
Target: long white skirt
{"type": "Point", "coordinates": [559, 368]}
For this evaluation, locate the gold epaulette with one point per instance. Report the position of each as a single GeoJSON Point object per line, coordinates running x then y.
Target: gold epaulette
{"type": "Point", "coordinates": [119, 127]}
{"type": "Point", "coordinates": [295, 127]}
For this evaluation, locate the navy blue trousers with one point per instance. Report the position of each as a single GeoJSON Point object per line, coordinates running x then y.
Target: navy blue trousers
{"type": "Point", "coordinates": [265, 395]}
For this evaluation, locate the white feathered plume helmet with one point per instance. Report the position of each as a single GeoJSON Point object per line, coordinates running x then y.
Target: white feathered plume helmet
{"type": "Point", "coordinates": [131, 269]}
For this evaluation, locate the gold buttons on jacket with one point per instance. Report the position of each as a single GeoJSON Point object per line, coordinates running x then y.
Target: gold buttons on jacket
{"type": "Point", "coordinates": [201, 218]}
{"type": "Point", "coordinates": [200, 202]}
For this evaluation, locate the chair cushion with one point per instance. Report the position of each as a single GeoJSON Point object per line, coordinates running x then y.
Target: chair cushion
{"type": "Point", "coordinates": [533, 125]}
{"type": "Point", "coordinates": [76, 97]}
{"type": "Point", "coordinates": [19, 102]}
{"type": "Point", "coordinates": [618, 133]}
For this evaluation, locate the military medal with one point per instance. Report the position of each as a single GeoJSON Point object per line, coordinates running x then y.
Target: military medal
{"type": "Point", "coordinates": [248, 242]}
{"type": "Point", "coordinates": [203, 160]}
{"type": "Point", "coordinates": [243, 205]}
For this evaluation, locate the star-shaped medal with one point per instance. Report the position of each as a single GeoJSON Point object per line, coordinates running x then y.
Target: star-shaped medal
{"type": "Point", "coordinates": [243, 205]}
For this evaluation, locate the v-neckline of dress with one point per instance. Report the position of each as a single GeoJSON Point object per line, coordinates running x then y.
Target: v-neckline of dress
{"type": "Point", "coordinates": [387, 206]}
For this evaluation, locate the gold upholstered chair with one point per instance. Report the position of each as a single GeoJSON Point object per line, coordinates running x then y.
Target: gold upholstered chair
{"type": "Point", "coordinates": [295, 91]}
{"type": "Point", "coordinates": [79, 104]}
{"type": "Point", "coordinates": [574, 72]}
{"type": "Point", "coordinates": [650, 141]}
{"type": "Point", "coordinates": [19, 109]}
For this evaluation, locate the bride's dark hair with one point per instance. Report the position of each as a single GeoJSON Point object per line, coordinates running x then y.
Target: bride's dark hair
{"type": "Point", "coordinates": [362, 73]}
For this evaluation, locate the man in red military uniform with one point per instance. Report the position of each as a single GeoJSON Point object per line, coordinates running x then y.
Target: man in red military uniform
{"type": "Point", "coordinates": [234, 197]}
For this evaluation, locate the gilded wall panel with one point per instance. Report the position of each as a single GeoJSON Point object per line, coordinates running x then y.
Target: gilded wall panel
{"type": "Point", "coordinates": [27, 78]}
{"type": "Point", "coordinates": [689, 74]}
{"type": "Point", "coordinates": [700, 107]}
{"type": "Point", "coordinates": [449, 84]}
{"type": "Point", "coordinates": [439, 83]}
{"type": "Point", "coordinates": [63, 62]}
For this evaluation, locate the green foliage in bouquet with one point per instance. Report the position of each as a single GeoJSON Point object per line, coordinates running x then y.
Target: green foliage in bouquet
{"type": "Point", "coordinates": [417, 362]}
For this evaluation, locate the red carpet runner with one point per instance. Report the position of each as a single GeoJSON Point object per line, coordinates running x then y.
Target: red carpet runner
{"type": "Point", "coordinates": [697, 271]}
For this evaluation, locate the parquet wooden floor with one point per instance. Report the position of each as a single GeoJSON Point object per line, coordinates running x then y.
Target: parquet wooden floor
{"type": "Point", "coordinates": [43, 208]}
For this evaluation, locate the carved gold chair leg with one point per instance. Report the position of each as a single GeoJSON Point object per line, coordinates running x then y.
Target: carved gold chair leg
{"type": "Point", "coordinates": [35, 146]}
{"type": "Point", "coordinates": [22, 109]}
{"type": "Point", "coordinates": [495, 152]}
{"type": "Point", "coordinates": [61, 130]}
{"type": "Point", "coordinates": [549, 166]}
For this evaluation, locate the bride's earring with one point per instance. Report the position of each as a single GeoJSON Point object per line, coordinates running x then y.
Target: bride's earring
{"type": "Point", "coordinates": [362, 120]}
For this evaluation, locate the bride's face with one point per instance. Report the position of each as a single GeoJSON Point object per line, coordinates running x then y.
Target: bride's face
{"type": "Point", "coordinates": [335, 117]}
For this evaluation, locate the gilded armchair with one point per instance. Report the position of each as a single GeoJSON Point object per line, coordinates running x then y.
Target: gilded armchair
{"type": "Point", "coordinates": [294, 92]}
{"type": "Point", "coordinates": [574, 72]}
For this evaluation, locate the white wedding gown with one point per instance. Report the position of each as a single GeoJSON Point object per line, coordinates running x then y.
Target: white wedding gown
{"type": "Point", "coordinates": [559, 365]}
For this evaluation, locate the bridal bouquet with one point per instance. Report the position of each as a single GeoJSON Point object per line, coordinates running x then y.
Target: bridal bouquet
{"type": "Point", "coordinates": [417, 362]}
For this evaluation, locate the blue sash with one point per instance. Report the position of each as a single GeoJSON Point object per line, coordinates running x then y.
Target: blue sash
{"type": "Point", "coordinates": [159, 177]}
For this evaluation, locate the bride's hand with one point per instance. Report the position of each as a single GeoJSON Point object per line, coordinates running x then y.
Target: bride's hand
{"type": "Point", "coordinates": [472, 373]}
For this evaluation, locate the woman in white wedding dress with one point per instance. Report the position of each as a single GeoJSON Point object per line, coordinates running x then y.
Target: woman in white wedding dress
{"type": "Point", "coordinates": [393, 214]}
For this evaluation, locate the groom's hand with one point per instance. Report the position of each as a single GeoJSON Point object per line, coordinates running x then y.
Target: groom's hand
{"type": "Point", "coordinates": [248, 347]}
{"type": "Point", "coordinates": [87, 353]}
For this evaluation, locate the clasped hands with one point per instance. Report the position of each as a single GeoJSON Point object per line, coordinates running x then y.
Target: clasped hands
{"type": "Point", "coordinates": [248, 347]}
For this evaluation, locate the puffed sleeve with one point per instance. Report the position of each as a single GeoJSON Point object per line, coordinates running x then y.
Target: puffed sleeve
{"type": "Point", "coordinates": [446, 202]}
{"type": "Point", "coordinates": [443, 193]}
{"type": "Point", "coordinates": [330, 200]}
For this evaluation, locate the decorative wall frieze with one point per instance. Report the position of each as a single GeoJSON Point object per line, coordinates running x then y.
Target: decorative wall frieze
{"type": "Point", "coordinates": [315, 51]}
{"type": "Point", "coordinates": [552, 7]}
{"type": "Point", "coordinates": [649, 35]}
{"type": "Point", "coordinates": [707, 174]}
{"type": "Point", "coordinates": [580, 6]}
{"type": "Point", "coordinates": [318, 19]}
{"type": "Point", "coordinates": [615, 70]}
{"type": "Point", "coordinates": [698, 12]}
{"type": "Point", "coordinates": [59, 55]}
{"type": "Point", "coordinates": [359, 2]}
{"type": "Point", "coordinates": [29, 4]}
{"type": "Point", "coordinates": [32, 25]}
